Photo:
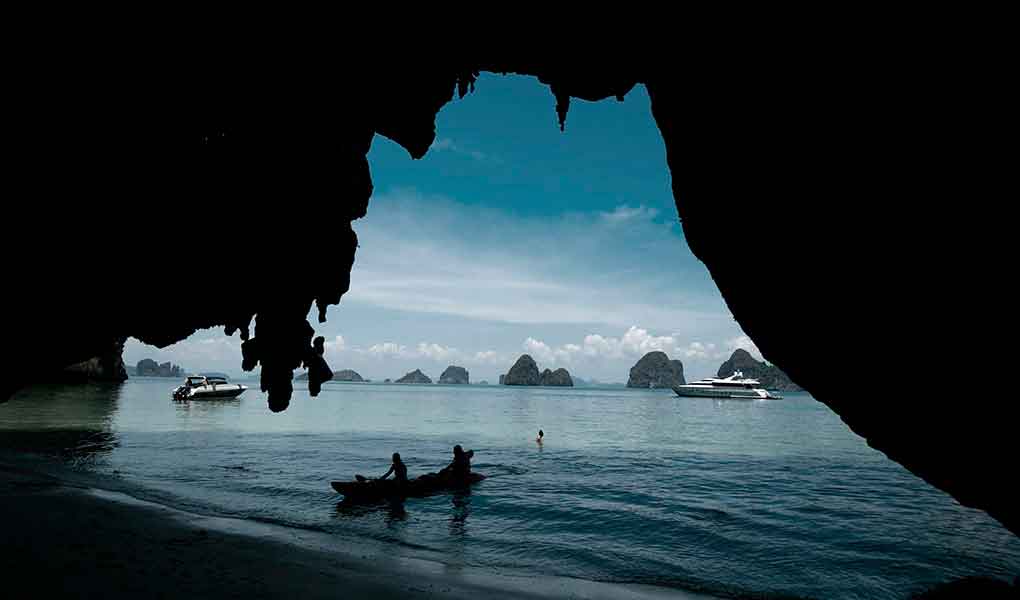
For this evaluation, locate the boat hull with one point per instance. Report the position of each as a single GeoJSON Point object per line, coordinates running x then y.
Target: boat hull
{"type": "Point", "coordinates": [723, 393]}
{"type": "Point", "coordinates": [376, 489]}
{"type": "Point", "coordinates": [217, 394]}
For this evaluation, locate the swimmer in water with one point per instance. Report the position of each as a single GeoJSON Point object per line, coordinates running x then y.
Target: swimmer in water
{"type": "Point", "coordinates": [541, 434]}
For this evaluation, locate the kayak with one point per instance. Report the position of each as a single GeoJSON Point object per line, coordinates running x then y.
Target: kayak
{"type": "Point", "coordinates": [377, 489]}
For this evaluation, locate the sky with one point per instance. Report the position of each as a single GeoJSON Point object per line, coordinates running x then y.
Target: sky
{"type": "Point", "coordinates": [513, 237]}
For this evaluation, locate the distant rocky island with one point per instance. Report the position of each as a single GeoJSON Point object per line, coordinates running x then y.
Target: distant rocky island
{"type": "Point", "coordinates": [344, 375]}
{"type": "Point", "coordinates": [656, 370]}
{"type": "Point", "coordinates": [558, 377]}
{"type": "Point", "coordinates": [150, 368]}
{"type": "Point", "coordinates": [770, 376]}
{"type": "Point", "coordinates": [455, 375]}
{"type": "Point", "coordinates": [415, 376]}
{"type": "Point", "coordinates": [525, 372]}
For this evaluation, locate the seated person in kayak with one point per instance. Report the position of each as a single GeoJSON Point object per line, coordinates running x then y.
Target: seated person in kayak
{"type": "Point", "coordinates": [398, 469]}
{"type": "Point", "coordinates": [460, 468]}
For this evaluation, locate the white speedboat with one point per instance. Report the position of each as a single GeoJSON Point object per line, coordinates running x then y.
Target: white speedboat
{"type": "Point", "coordinates": [734, 386]}
{"type": "Point", "coordinates": [200, 387]}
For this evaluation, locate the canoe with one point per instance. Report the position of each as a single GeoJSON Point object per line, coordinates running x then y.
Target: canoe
{"type": "Point", "coordinates": [375, 489]}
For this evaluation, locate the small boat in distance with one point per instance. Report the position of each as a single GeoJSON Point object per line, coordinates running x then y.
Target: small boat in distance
{"type": "Point", "coordinates": [200, 387]}
{"type": "Point", "coordinates": [734, 386]}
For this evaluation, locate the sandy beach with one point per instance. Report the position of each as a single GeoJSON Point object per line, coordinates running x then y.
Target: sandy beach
{"type": "Point", "coordinates": [63, 538]}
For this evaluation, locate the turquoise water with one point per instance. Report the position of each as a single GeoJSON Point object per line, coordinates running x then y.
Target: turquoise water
{"type": "Point", "coordinates": [734, 498]}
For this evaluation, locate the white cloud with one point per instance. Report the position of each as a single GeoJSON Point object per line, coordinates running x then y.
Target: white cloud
{"type": "Point", "coordinates": [488, 357]}
{"type": "Point", "coordinates": [336, 345]}
{"type": "Point", "coordinates": [745, 342]}
{"type": "Point", "coordinates": [599, 350]}
{"type": "Point", "coordinates": [433, 255]}
{"type": "Point", "coordinates": [437, 352]}
{"type": "Point", "coordinates": [624, 213]}
{"type": "Point", "coordinates": [700, 350]}
{"type": "Point", "coordinates": [638, 341]}
{"type": "Point", "coordinates": [441, 144]}
{"type": "Point", "coordinates": [447, 144]}
{"type": "Point", "coordinates": [430, 351]}
{"type": "Point", "coordinates": [538, 350]}
{"type": "Point", "coordinates": [387, 349]}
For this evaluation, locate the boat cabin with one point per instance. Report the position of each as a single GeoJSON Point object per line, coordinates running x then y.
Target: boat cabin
{"type": "Point", "coordinates": [201, 380]}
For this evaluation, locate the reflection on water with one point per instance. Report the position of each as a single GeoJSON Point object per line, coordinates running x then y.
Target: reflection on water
{"type": "Point", "coordinates": [205, 408]}
{"type": "Point", "coordinates": [91, 406]}
{"type": "Point", "coordinates": [77, 447]}
{"type": "Point", "coordinates": [457, 551]}
{"type": "Point", "coordinates": [394, 507]}
{"type": "Point", "coordinates": [396, 512]}
{"type": "Point", "coordinates": [72, 422]}
{"type": "Point", "coordinates": [461, 509]}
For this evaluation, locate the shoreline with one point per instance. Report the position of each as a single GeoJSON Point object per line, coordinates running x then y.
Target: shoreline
{"type": "Point", "coordinates": [66, 536]}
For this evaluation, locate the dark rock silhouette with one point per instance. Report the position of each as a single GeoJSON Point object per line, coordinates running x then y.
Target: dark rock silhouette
{"type": "Point", "coordinates": [455, 374]}
{"type": "Point", "coordinates": [973, 587]}
{"type": "Point", "coordinates": [656, 370]}
{"type": "Point", "coordinates": [342, 375]}
{"type": "Point", "coordinates": [769, 375]}
{"type": "Point", "coordinates": [523, 372]}
{"type": "Point", "coordinates": [811, 161]}
{"type": "Point", "coordinates": [415, 376]}
{"type": "Point", "coordinates": [318, 371]}
{"type": "Point", "coordinates": [348, 375]}
{"type": "Point", "coordinates": [559, 377]}
{"type": "Point", "coordinates": [107, 367]}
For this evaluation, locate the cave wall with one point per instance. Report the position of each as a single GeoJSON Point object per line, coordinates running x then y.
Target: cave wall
{"type": "Point", "coordinates": [781, 157]}
{"type": "Point", "coordinates": [107, 367]}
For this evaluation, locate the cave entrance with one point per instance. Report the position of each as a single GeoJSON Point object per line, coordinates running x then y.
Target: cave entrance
{"type": "Point", "coordinates": [513, 237]}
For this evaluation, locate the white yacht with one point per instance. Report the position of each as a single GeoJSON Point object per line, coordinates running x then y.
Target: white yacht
{"type": "Point", "coordinates": [200, 387]}
{"type": "Point", "coordinates": [734, 386]}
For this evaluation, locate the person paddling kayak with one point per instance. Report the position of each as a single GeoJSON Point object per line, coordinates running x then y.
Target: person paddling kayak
{"type": "Point", "coordinates": [460, 468]}
{"type": "Point", "coordinates": [398, 469]}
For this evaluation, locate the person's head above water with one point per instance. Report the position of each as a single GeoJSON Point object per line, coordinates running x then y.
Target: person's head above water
{"type": "Point", "coordinates": [396, 457]}
{"type": "Point", "coordinates": [541, 433]}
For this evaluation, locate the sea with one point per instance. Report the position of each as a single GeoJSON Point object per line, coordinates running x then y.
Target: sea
{"type": "Point", "coordinates": [730, 498]}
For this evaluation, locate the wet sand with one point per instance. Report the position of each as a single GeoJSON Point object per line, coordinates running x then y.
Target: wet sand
{"type": "Point", "coordinates": [65, 539]}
